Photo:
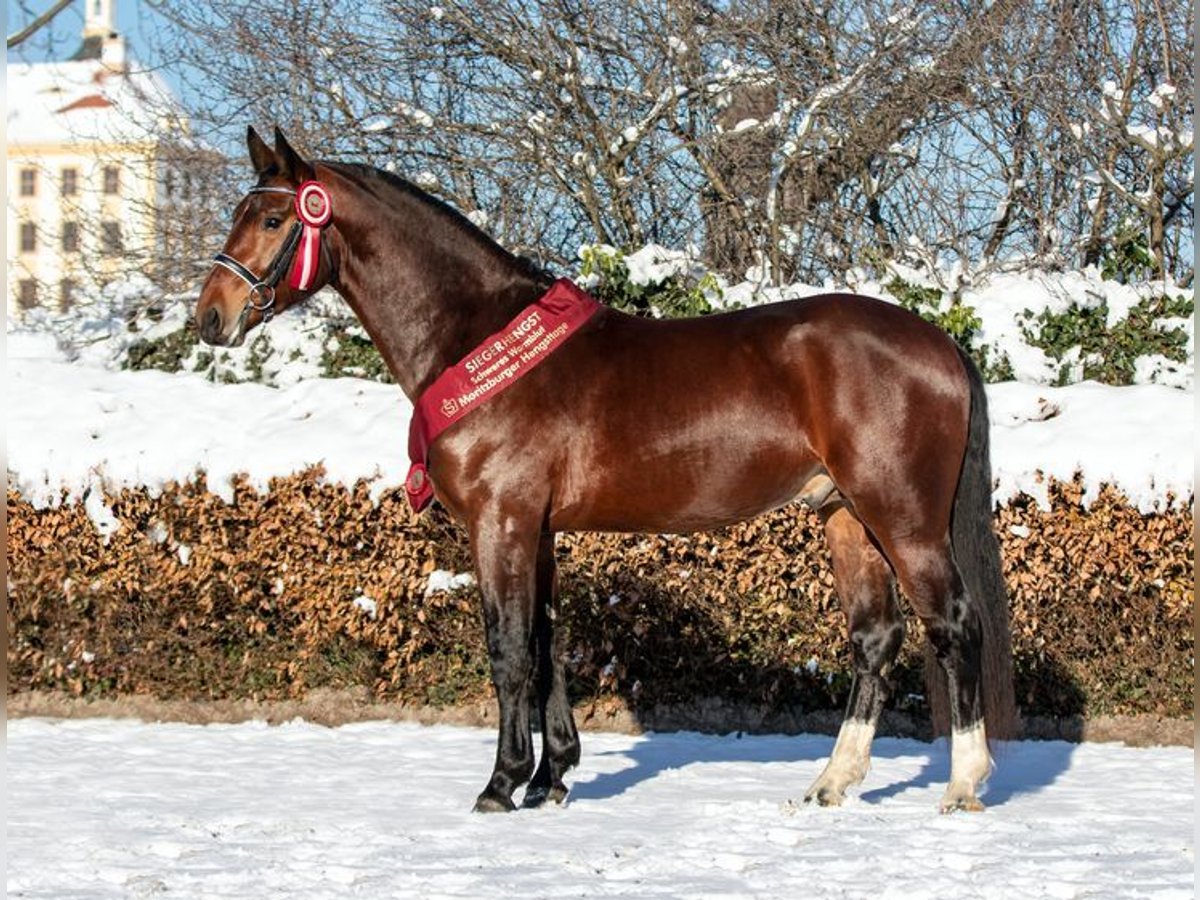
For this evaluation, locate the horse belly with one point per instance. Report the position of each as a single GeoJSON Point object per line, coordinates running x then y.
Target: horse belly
{"type": "Point", "coordinates": [683, 476]}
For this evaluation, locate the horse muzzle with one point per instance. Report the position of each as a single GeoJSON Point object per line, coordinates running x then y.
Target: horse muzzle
{"type": "Point", "coordinates": [215, 329]}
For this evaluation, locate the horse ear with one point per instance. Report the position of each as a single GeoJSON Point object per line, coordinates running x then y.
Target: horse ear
{"type": "Point", "coordinates": [262, 157]}
{"type": "Point", "coordinates": [291, 163]}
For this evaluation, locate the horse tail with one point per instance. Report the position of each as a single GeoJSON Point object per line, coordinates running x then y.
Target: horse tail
{"type": "Point", "coordinates": [977, 555]}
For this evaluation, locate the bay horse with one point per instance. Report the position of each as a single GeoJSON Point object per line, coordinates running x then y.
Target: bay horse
{"type": "Point", "coordinates": [864, 411]}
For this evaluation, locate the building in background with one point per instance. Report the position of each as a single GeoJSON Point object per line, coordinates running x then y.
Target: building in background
{"type": "Point", "coordinates": [94, 180]}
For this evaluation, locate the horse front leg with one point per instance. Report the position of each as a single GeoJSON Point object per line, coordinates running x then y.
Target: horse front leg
{"type": "Point", "coordinates": [560, 739]}
{"type": "Point", "coordinates": [505, 551]}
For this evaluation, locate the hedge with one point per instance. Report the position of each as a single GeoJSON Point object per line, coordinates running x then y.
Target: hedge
{"type": "Point", "coordinates": [318, 586]}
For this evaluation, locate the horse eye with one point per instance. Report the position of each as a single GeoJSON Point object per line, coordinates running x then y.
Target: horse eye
{"type": "Point", "coordinates": [271, 223]}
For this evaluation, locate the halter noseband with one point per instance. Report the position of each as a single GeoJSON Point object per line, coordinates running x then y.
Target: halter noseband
{"type": "Point", "coordinates": [261, 297]}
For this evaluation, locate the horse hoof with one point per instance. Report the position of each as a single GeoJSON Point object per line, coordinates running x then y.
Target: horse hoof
{"type": "Point", "coordinates": [491, 803]}
{"type": "Point", "coordinates": [538, 796]}
{"type": "Point", "coordinates": [968, 803]}
{"type": "Point", "coordinates": [825, 797]}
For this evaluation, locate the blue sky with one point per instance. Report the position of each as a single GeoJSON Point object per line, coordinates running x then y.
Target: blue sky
{"type": "Point", "coordinates": [135, 19]}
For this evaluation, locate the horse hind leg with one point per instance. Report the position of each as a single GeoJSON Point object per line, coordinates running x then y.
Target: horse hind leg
{"type": "Point", "coordinates": [931, 580]}
{"type": "Point", "coordinates": [866, 589]}
{"type": "Point", "coordinates": [560, 739]}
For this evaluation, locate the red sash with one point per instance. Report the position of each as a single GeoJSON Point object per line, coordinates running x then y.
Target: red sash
{"type": "Point", "coordinates": [489, 370]}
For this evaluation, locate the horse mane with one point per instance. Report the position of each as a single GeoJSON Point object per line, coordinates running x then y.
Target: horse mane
{"type": "Point", "coordinates": [368, 175]}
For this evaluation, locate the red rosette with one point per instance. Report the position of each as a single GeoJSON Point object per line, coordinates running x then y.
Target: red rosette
{"type": "Point", "coordinates": [313, 205]}
{"type": "Point", "coordinates": [314, 209]}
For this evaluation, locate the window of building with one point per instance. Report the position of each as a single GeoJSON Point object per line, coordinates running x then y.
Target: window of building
{"type": "Point", "coordinates": [70, 182]}
{"type": "Point", "coordinates": [27, 293]}
{"type": "Point", "coordinates": [28, 237]}
{"type": "Point", "coordinates": [110, 237]}
{"type": "Point", "coordinates": [28, 182]}
{"type": "Point", "coordinates": [66, 293]}
{"type": "Point", "coordinates": [70, 236]}
{"type": "Point", "coordinates": [112, 180]}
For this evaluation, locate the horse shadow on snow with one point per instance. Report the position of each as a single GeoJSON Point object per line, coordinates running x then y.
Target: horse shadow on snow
{"type": "Point", "coordinates": [714, 731]}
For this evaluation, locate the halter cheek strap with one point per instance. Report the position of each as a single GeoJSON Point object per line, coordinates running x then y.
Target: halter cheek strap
{"type": "Point", "coordinates": [301, 249]}
{"type": "Point", "coordinates": [262, 289]}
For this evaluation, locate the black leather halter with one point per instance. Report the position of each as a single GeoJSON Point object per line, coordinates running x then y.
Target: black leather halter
{"type": "Point", "coordinates": [262, 290]}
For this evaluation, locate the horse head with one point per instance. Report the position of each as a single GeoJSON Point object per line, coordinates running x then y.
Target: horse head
{"type": "Point", "coordinates": [274, 256]}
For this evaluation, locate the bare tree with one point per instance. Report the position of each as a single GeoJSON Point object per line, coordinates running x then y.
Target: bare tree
{"type": "Point", "coordinates": [1133, 122]}
{"type": "Point", "coordinates": [800, 138]}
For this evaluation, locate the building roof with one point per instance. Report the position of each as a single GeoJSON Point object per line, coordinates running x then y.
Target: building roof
{"type": "Point", "coordinates": [88, 101]}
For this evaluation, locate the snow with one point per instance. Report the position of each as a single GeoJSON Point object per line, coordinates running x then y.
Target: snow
{"type": "Point", "coordinates": [1002, 302]}
{"type": "Point", "coordinates": [69, 424]}
{"type": "Point", "coordinates": [1138, 438]}
{"type": "Point", "coordinates": [1146, 135]}
{"type": "Point", "coordinates": [1158, 369]}
{"type": "Point", "coordinates": [378, 123]}
{"type": "Point", "coordinates": [415, 114]}
{"type": "Point", "coordinates": [367, 605]}
{"type": "Point", "coordinates": [85, 101]}
{"type": "Point", "coordinates": [100, 514]}
{"type": "Point", "coordinates": [426, 180]}
{"type": "Point", "coordinates": [444, 582]}
{"type": "Point", "coordinates": [1164, 92]}
{"type": "Point", "coordinates": [114, 808]}
{"type": "Point", "coordinates": [654, 264]}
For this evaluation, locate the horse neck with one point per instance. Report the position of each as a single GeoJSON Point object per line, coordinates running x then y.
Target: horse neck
{"type": "Point", "coordinates": [427, 287]}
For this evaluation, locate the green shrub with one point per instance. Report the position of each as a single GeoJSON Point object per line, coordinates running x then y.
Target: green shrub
{"type": "Point", "coordinates": [1128, 256]}
{"type": "Point", "coordinates": [167, 353]}
{"type": "Point", "coordinates": [348, 355]}
{"type": "Point", "coordinates": [675, 296]}
{"type": "Point", "coordinates": [993, 368]}
{"type": "Point", "coordinates": [345, 354]}
{"type": "Point", "coordinates": [1109, 354]}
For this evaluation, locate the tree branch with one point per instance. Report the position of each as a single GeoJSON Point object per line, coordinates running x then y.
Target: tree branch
{"type": "Point", "coordinates": [37, 24]}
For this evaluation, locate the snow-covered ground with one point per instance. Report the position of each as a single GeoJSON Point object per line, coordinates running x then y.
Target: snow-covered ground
{"type": "Point", "coordinates": [105, 808]}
